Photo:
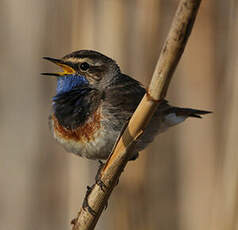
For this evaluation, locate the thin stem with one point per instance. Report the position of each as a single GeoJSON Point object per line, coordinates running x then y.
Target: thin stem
{"type": "Point", "coordinates": [170, 55]}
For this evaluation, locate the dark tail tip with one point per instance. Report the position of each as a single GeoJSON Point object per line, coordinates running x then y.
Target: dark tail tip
{"type": "Point", "coordinates": [187, 112]}
{"type": "Point", "coordinates": [196, 113]}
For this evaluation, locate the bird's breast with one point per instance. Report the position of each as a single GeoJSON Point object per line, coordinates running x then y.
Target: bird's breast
{"type": "Point", "coordinates": [84, 133]}
{"type": "Point", "coordinates": [91, 139]}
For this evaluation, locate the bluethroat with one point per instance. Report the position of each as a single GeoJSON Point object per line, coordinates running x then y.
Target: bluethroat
{"type": "Point", "coordinates": [93, 102]}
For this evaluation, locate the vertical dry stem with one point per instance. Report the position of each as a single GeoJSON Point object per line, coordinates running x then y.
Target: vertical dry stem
{"type": "Point", "coordinates": [169, 57]}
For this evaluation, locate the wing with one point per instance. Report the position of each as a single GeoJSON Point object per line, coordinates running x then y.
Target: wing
{"type": "Point", "coordinates": [123, 96]}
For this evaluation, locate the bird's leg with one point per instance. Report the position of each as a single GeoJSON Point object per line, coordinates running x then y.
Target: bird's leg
{"type": "Point", "coordinates": [98, 179]}
{"type": "Point", "coordinates": [85, 201]}
{"type": "Point", "coordinates": [98, 176]}
{"type": "Point", "coordinates": [133, 156]}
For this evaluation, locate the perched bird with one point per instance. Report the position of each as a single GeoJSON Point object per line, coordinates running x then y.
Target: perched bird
{"type": "Point", "coordinates": [93, 102]}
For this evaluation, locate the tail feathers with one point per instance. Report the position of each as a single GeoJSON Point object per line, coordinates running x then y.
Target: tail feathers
{"type": "Point", "coordinates": [197, 113]}
{"type": "Point", "coordinates": [186, 112]}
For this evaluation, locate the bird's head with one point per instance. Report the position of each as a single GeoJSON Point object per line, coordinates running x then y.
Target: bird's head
{"type": "Point", "coordinates": [84, 68]}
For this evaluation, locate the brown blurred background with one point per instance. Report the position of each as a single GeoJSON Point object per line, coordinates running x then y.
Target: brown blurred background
{"type": "Point", "coordinates": [187, 179]}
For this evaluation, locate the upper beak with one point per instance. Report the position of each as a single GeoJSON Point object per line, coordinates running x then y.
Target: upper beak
{"type": "Point", "coordinates": [67, 69]}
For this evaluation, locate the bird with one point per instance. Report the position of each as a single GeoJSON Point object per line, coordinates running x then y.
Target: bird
{"type": "Point", "coordinates": [94, 101]}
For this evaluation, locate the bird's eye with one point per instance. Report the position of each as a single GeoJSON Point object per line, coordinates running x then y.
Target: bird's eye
{"type": "Point", "coordinates": [84, 66]}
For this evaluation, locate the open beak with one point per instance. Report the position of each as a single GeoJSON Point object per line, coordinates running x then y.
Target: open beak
{"type": "Point", "coordinates": [67, 69]}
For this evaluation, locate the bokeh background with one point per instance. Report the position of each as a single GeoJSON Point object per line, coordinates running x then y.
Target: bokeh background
{"type": "Point", "coordinates": [187, 179]}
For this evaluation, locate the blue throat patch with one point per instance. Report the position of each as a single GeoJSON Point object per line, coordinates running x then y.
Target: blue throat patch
{"type": "Point", "coordinates": [68, 82]}
{"type": "Point", "coordinates": [73, 102]}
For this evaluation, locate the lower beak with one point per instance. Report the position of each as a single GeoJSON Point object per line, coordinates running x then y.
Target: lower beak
{"type": "Point", "coordinates": [67, 69]}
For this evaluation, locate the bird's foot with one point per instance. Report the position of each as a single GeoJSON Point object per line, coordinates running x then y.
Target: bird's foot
{"type": "Point", "coordinates": [98, 176]}
{"type": "Point", "coordinates": [85, 202]}
{"type": "Point", "coordinates": [134, 156]}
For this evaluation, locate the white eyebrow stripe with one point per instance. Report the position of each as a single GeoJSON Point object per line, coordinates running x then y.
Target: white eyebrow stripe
{"type": "Point", "coordinates": [80, 60]}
